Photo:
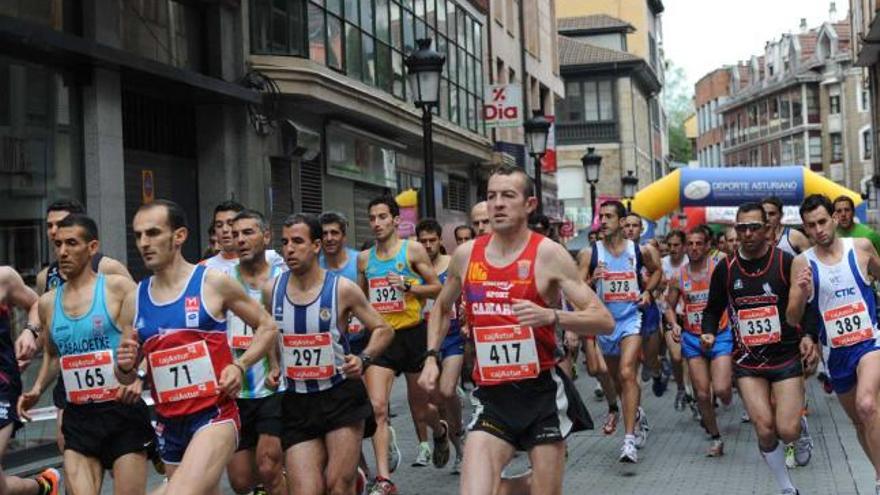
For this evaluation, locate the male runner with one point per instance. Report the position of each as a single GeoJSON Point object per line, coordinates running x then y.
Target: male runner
{"type": "Point", "coordinates": [732, 241]}
{"type": "Point", "coordinates": [670, 264]}
{"type": "Point", "coordinates": [790, 240]}
{"type": "Point", "coordinates": [227, 257]}
{"type": "Point", "coordinates": [632, 230]}
{"type": "Point", "coordinates": [710, 368]}
{"type": "Point", "coordinates": [836, 275]}
{"type": "Point", "coordinates": [721, 243]}
{"type": "Point", "coordinates": [179, 327]}
{"type": "Point", "coordinates": [397, 276]}
{"type": "Point", "coordinates": [512, 282]}
{"type": "Point", "coordinates": [105, 426]}
{"type": "Point", "coordinates": [15, 294]}
{"type": "Point", "coordinates": [326, 410]}
{"type": "Point", "coordinates": [616, 265]}
{"type": "Point", "coordinates": [480, 218]}
{"type": "Point", "coordinates": [258, 457]}
{"type": "Point", "coordinates": [429, 233]}
{"type": "Point", "coordinates": [844, 214]}
{"type": "Point", "coordinates": [769, 353]}
{"type": "Point", "coordinates": [464, 233]}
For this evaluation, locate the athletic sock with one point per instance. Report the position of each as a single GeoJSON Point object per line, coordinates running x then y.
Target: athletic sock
{"type": "Point", "coordinates": [776, 462]}
{"type": "Point", "coordinates": [629, 438]}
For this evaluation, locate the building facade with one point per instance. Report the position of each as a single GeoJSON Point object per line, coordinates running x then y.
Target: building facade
{"type": "Point", "coordinates": [866, 53]}
{"type": "Point", "coordinates": [711, 92]}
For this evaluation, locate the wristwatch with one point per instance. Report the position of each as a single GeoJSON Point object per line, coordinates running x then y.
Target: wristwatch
{"type": "Point", "coordinates": [366, 360]}
{"type": "Point", "coordinates": [142, 374]}
{"type": "Point", "coordinates": [432, 353]}
{"type": "Point", "coordinates": [407, 286]}
{"type": "Point", "coordinates": [35, 329]}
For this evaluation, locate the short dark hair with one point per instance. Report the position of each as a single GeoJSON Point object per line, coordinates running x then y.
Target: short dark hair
{"type": "Point", "coordinates": [677, 233]}
{"type": "Point", "coordinates": [429, 225]}
{"type": "Point", "coordinates": [843, 198]}
{"type": "Point", "coordinates": [814, 201]}
{"type": "Point", "coordinates": [228, 205]}
{"type": "Point", "coordinates": [176, 215]}
{"type": "Point", "coordinates": [772, 200]}
{"type": "Point", "coordinates": [702, 229]}
{"type": "Point", "coordinates": [309, 220]}
{"type": "Point", "coordinates": [334, 217]}
{"type": "Point", "coordinates": [751, 206]}
{"type": "Point", "coordinates": [619, 209]}
{"type": "Point", "coordinates": [388, 201]}
{"type": "Point", "coordinates": [81, 220]}
{"type": "Point", "coordinates": [528, 187]}
{"type": "Point", "coordinates": [465, 227]}
{"type": "Point", "coordinates": [538, 219]}
{"type": "Point", "coordinates": [248, 214]}
{"type": "Point", "coordinates": [69, 205]}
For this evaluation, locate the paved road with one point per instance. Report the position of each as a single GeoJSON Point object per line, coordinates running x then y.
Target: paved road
{"type": "Point", "coordinates": [673, 460]}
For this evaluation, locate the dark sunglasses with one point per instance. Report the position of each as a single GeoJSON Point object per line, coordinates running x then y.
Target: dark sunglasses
{"type": "Point", "coordinates": [745, 227]}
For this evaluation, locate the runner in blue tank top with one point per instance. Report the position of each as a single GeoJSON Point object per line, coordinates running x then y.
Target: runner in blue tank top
{"type": "Point", "coordinates": [340, 259]}
{"type": "Point", "coordinates": [836, 276]}
{"type": "Point", "coordinates": [326, 410]}
{"type": "Point", "coordinates": [178, 315]}
{"type": "Point", "coordinates": [82, 318]}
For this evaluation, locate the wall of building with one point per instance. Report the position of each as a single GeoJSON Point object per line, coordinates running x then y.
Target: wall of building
{"type": "Point", "coordinates": [635, 12]}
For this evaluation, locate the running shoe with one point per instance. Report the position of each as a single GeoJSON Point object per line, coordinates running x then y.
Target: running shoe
{"type": "Point", "coordinates": [423, 458]}
{"type": "Point", "coordinates": [826, 382]}
{"type": "Point", "coordinates": [383, 486]}
{"type": "Point", "coordinates": [666, 367]}
{"type": "Point", "coordinates": [803, 447]}
{"type": "Point", "coordinates": [659, 386]}
{"type": "Point", "coordinates": [259, 490]}
{"type": "Point", "coordinates": [393, 450]}
{"type": "Point", "coordinates": [790, 491]}
{"type": "Point", "coordinates": [790, 463]}
{"type": "Point", "coordinates": [745, 417]}
{"type": "Point", "coordinates": [610, 425]}
{"type": "Point", "coordinates": [628, 453]}
{"type": "Point", "coordinates": [441, 447]}
{"type": "Point", "coordinates": [695, 411]}
{"type": "Point", "coordinates": [598, 393]}
{"type": "Point", "coordinates": [49, 481]}
{"type": "Point", "coordinates": [716, 448]}
{"type": "Point", "coordinates": [646, 374]}
{"type": "Point", "coordinates": [456, 464]}
{"type": "Point", "coordinates": [680, 402]}
{"type": "Point", "coordinates": [642, 428]}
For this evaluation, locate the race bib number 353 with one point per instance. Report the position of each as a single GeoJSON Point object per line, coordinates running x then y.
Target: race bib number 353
{"type": "Point", "coordinates": [308, 356]}
{"type": "Point", "coordinates": [848, 325]}
{"type": "Point", "coordinates": [384, 297]}
{"type": "Point", "coordinates": [759, 326]}
{"type": "Point", "coordinates": [89, 377]}
{"type": "Point", "coordinates": [506, 353]}
{"type": "Point", "coordinates": [183, 373]}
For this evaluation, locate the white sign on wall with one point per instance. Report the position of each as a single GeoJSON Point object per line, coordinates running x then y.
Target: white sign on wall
{"type": "Point", "coordinates": [502, 106]}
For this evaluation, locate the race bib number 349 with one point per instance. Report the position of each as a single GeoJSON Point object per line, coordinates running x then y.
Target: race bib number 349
{"type": "Point", "coordinates": [384, 297]}
{"type": "Point", "coordinates": [848, 325]}
{"type": "Point", "coordinates": [183, 373]}
{"type": "Point", "coordinates": [89, 377]}
{"type": "Point", "coordinates": [506, 353]}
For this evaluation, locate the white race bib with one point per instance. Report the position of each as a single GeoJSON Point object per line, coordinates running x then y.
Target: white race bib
{"type": "Point", "coordinates": [620, 287]}
{"type": "Point", "coordinates": [240, 333]}
{"type": "Point", "coordinates": [506, 353]}
{"type": "Point", "coordinates": [308, 356]}
{"type": "Point", "coordinates": [89, 377]}
{"type": "Point", "coordinates": [694, 314]}
{"type": "Point", "coordinates": [384, 297]}
{"type": "Point", "coordinates": [848, 325]}
{"type": "Point", "coordinates": [759, 326]}
{"type": "Point", "coordinates": [183, 373]}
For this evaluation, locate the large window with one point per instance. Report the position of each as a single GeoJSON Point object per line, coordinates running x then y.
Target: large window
{"type": "Point", "coordinates": [836, 147]}
{"type": "Point", "coordinates": [368, 40]}
{"type": "Point", "coordinates": [587, 101]}
{"type": "Point", "coordinates": [834, 104]}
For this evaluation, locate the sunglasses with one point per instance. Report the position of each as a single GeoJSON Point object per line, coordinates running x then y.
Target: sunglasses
{"type": "Point", "coordinates": [751, 226]}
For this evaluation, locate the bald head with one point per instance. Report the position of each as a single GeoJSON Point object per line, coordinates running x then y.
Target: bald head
{"type": "Point", "coordinates": [480, 218]}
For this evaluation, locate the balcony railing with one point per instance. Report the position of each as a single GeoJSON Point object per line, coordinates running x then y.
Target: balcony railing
{"type": "Point", "coordinates": [587, 132]}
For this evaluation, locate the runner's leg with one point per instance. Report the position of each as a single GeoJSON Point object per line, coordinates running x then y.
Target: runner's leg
{"type": "Point", "coordinates": [449, 375]}
{"type": "Point", "coordinates": [240, 471]}
{"type": "Point", "coordinates": [698, 368]}
{"type": "Point", "coordinates": [198, 473]}
{"type": "Point", "coordinates": [485, 456]}
{"type": "Point", "coordinates": [789, 400]}
{"type": "Point", "coordinates": [867, 388]}
{"type": "Point", "coordinates": [755, 393]}
{"type": "Point", "coordinates": [426, 411]}
{"type": "Point", "coordinates": [597, 367]}
{"type": "Point", "coordinates": [13, 485]}
{"type": "Point", "coordinates": [548, 468]}
{"type": "Point", "coordinates": [722, 378]}
{"type": "Point", "coordinates": [343, 451]}
{"type": "Point", "coordinates": [130, 474]}
{"type": "Point", "coordinates": [84, 474]}
{"type": "Point", "coordinates": [628, 380]}
{"type": "Point", "coordinates": [306, 462]}
{"type": "Point", "coordinates": [269, 464]}
{"type": "Point", "coordinates": [379, 381]}
{"type": "Point", "coordinates": [848, 403]}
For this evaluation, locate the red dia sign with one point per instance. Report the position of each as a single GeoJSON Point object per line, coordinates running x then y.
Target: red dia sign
{"type": "Point", "coordinates": [502, 107]}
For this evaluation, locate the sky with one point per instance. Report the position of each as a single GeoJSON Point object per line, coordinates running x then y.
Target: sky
{"type": "Point", "coordinates": [703, 35]}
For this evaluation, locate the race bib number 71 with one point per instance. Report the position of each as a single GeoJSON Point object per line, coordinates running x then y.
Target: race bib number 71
{"type": "Point", "coordinates": [183, 373]}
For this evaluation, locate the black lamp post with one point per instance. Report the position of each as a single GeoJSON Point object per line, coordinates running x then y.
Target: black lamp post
{"type": "Point", "coordinates": [629, 183]}
{"type": "Point", "coordinates": [424, 67]}
{"type": "Point", "coordinates": [592, 162]}
{"type": "Point", "coordinates": [537, 128]}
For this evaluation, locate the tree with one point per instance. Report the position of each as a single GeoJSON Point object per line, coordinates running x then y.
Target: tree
{"type": "Point", "coordinates": [678, 100]}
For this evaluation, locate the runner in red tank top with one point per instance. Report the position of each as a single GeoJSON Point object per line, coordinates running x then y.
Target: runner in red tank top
{"type": "Point", "coordinates": [512, 281]}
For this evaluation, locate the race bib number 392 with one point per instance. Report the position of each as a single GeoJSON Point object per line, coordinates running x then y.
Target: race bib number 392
{"type": "Point", "coordinates": [89, 377]}
{"type": "Point", "coordinates": [506, 353]}
{"type": "Point", "coordinates": [384, 297]}
{"type": "Point", "coordinates": [183, 373]}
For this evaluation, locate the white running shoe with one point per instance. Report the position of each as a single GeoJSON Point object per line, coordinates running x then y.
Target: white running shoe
{"type": "Point", "coordinates": [628, 453]}
{"type": "Point", "coordinates": [393, 450]}
{"type": "Point", "coordinates": [424, 456]}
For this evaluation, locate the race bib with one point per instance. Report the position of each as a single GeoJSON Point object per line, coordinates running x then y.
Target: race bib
{"type": "Point", "coordinates": [384, 297]}
{"type": "Point", "coordinates": [694, 313]}
{"type": "Point", "coordinates": [759, 326]}
{"type": "Point", "coordinates": [308, 356]}
{"type": "Point", "coordinates": [848, 325]}
{"type": "Point", "coordinates": [183, 373]}
{"type": "Point", "coordinates": [240, 333]}
{"type": "Point", "coordinates": [506, 353]}
{"type": "Point", "coordinates": [620, 287]}
{"type": "Point", "coordinates": [89, 377]}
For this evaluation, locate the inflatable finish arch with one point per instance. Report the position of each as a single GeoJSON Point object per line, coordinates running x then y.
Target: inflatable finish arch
{"type": "Point", "coordinates": [732, 186]}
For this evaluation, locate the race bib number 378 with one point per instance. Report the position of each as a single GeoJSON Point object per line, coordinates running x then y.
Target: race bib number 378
{"type": "Point", "coordinates": [183, 373]}
{"type": "Point", "coordinates": [89, 377]}
{"type": "Point", "coordinates": [620, 287]}
{"type": "Point", "coordinates": [506, 353]}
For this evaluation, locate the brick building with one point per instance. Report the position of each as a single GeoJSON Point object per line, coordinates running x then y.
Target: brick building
{"type": "Point", "coordinates": [711, 92]}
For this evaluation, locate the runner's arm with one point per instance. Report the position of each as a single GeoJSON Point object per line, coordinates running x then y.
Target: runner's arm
{"type": "Point", "coordinates": [381, 332]}
{"type": "Point", "coordinates": [449, 294]}
{"type": "Point", "coordinates": [651, 259]}
{"type": "Point", "coordinates": [798, 295]}
{"type": "Point", "coordinates": [110, 266]}
{"type": "Point", "coordinates": [873, 259]}
{"type": "Point", "coordinates": [49, 367]}
{"type": "Point", "coordinates": [126, 372]}
{"type": "Point", "coordinates": [41, 280]}
{"type": "Point", "coordinates": [584, 265]}
{"type": "Point", "coordinates": [22, 296]}
{"type": "Point", "coordinates": [251, 313]}
{"type": "Point", "coordinates": [717, 300]}
{"type": "Point", "coordinates": [672, 295]}
{"type": "Point", "coordinates": [362, 259]}
{"type": "Point", "coordinates": [590, 316]}
{"type": "Point", "coordinates": [422, 265]}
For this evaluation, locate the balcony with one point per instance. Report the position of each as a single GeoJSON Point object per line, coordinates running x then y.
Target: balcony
{"type": "Point", "coordinates": [587, 132]}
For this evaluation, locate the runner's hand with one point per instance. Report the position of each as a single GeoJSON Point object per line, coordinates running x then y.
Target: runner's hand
{"type": "Point", "coordinates": [396, 280]}
{"type": "Point", "coordinates": [530, 314]}
{"type": "Point", "coordinates": [676, 332]}
{"type": "Point", "coordinates": [25, 348]}
{"type": "Point", "coordinates": [599, 272]}
{"type": "Point", "coordinates": [353, 368]}
{"type": "Point", "coordinates": [26, 401]}
{"type": "Point", "coordinates": [230, 381]}
{"type": "Point", "coordinates": [130, 394]}
{"type": "Point", "coordinates": [809, 352]}
{"type": "Point", "coordinates": [127, 354]}
{"type": "Point", "coordinates": [273, 379]}
{"type": "Point", "coordinates": [707, 340]}
{"type": "Point", "coordinates": [428, 377]}
{"type": "Point", "coordinates": [805, 281]}
{"type": "Point", "coordinates": [645, 299]}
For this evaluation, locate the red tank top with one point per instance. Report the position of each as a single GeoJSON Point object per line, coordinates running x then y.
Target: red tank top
{"type": "Point", "coordinates": [506, 351]}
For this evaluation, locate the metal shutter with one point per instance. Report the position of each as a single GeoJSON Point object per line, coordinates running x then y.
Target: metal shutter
{"type": "Point", "coordinates": [311, 188]}
{"type": "Point", "coordinates": [363, 194]}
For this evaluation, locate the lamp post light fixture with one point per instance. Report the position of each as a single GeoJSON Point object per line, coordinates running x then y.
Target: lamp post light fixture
{"type": "Point", "coordinates": [592, 162]}
{"type": "Point", "coordinates": [629, 182]}
{"type": "Point", "coordinates": [537, 128]}
{"type": "Point", "coordinates": [424, 67]}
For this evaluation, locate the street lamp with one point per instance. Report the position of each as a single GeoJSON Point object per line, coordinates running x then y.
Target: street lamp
{"type": "Point", "coordinates": [537, 128]}
{"type": "Point", "coordinates": [424, 67]}
{"type": "Point", "coordinates": [592, 162]}
{"type": "Point", "coordinates": [630, 183]}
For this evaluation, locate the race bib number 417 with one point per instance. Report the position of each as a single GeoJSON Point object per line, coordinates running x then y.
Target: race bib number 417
{"type": "Point", "coordinates": [506, 353]}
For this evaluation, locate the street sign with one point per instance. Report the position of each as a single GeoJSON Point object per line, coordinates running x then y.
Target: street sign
{"type": "Point", "coordinates": [148, 190]}
{"type": "Point", "coordinates": [503, 105]}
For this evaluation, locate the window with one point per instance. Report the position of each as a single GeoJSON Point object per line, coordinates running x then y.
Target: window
{"type": "Point", "coordinates": [815, 151]}
{"type": "Point", "coordinates": [587, 101]}
{"type": "Point", "coordinates": [836, 146]}
{"type": "Point", "coordinates": [834, 104]}
{"type": "Point", "coordinates": [277, 27]}
{"type": "Point", "coordinates": [867, 144]}
{"type": "Point", "coordinates": [865, 100]}
{"type": "Point", "coordinates": [455, 194]}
